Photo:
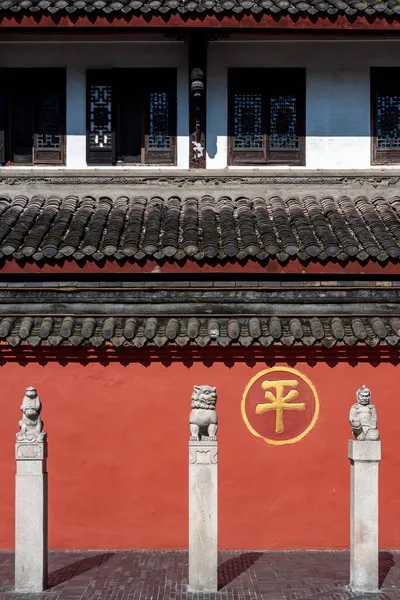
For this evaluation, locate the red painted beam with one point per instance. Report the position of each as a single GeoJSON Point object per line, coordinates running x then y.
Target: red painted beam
{"type": "Point", "coordinates": [241, 21]}
{"type": "Point", "coordinates": [340, 353]}
{"type": "Point", "coordinates": [292, 267]}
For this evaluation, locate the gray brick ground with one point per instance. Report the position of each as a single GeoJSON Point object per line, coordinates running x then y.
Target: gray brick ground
{"type": "Point", "coordinates": [154, 575]}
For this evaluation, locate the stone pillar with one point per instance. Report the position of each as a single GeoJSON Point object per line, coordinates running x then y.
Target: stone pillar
{"type": "Point", "coordinates": [364, 455]}
{"type": "Point", "coordinates": [31, 499]}
{"type": "Point", "coordinates": [203, 491]}
{"type": "Point", "coordinates": [364, 568]}
{"type": "Point", "coordinates": [203, 516]}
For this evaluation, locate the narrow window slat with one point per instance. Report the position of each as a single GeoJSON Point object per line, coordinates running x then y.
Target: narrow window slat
{"type": "Point", "coordinates": [286, 117]}
{"type": "Point", "coordinates": [20, 109]}
{"type": "Point", "coordinates": [385, 115]}
{"type": "Point", "coordinates": [160, 118]}
{"type": "Point", "coordinates": [100, 119]}
{"type": "Point", "coordinates": [129, 129]}
{"type": "Point", "coordinates": [49, 118]}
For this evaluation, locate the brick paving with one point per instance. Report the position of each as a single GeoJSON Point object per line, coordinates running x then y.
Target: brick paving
{"type": "Point", "coordinates": [156, 575]}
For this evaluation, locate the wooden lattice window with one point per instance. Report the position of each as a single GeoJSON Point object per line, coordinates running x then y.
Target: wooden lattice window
{"type": "Point", "coordinates": [266, 116]}
{"type": "Point", "coordinates": [385, 105]}
{"type": "Point", "coordinates": [32, 116]}
{"type": "Point", "coordinates": [131, 116]}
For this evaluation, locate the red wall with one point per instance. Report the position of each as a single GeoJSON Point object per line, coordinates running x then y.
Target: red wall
{"type": "Point", "coordinates": [118, 456]}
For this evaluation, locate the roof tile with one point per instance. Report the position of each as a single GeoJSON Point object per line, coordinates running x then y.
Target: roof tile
{"type": "Point", "coordinates": [207, 227]}
{"type": "Point", "coordinates": [312, 7]}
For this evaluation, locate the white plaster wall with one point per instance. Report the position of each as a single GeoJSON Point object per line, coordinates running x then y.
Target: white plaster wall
{"type": "Point", "coordinates": [337, 95]}
{"type": "Point", "coordinates": [80, 56]}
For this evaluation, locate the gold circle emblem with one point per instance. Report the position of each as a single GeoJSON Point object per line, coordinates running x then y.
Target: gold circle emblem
{"type": "Point", "coordinates": [280, 406]}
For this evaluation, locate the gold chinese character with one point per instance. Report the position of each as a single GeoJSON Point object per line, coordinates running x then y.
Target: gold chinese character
{"type": "Point", "coordinates": [278, 401]}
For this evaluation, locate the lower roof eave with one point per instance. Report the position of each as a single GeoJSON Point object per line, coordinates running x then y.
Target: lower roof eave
{"type": "Point", "coordinates": [122, 332]}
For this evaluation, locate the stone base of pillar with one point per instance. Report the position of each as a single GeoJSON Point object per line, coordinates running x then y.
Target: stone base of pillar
{"type": "Point", "coordinates": [364, 568]}
{"type": "Point", "coordinates": [203, 516]}
{"type": "Point", "coordinates": [31, 517]}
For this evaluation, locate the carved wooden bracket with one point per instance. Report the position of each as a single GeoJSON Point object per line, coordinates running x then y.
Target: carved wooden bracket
{"type": "Point", "coordinates": [197, 100]}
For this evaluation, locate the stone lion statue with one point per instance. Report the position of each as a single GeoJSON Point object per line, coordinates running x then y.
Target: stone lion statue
{"type": "Point", "coordinates": [203, 418]}
{"type": "Point", "coordinates": [31, 424]}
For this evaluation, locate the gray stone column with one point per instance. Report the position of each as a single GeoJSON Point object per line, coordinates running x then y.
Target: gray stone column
{"type": "Point", "coordinates": [364, 455]}
{"type": "Point", "coordinates": [31, 499]}
{"type": "Point", "coordinates": [203, 516]}
{"type": "Point", "coordinates": [364, 568]}
{"type": "Point", "coordinates": [203, 491]}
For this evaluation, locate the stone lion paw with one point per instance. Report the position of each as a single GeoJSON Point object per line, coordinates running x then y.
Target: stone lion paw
{"type": "Point", "coordinates": [194, 438]}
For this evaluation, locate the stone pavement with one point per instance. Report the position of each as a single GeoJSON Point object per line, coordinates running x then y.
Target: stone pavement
{"type": "Point", "coordinates": [156, 575]}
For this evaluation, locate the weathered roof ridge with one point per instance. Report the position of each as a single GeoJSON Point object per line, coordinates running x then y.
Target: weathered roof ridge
{"type": "Point", "coordinates": [306, 227]}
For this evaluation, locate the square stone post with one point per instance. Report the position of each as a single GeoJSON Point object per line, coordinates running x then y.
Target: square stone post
{"type": "Point", "coordinates": [203, 516]}
{"type": "Point", "coordinates": [364, 568]}
{"type": "Point", "coordinates": [31, 500]}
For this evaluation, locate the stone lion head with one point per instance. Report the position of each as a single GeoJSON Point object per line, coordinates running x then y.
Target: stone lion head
{"type": "Point", "coordinates": [204, 396]}
{"type": "Point", "coordinates": [31, 404]}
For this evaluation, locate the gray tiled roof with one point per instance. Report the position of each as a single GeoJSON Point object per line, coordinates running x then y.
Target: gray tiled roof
{"type": "Point", "coordinates": [319, 228]}
{"type": "Point", "coordinates": [139, 332]}
{"type": "Point", "coordinates": [294, 7]}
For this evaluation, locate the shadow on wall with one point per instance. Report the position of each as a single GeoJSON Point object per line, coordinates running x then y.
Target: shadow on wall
{"type": "Point", "coordinates": [232, 568]}
{"type": "Point", "coordinates": [386, 562]}
{"type": "Point", "coordinates": [78, 567]}
{"type": "Point", "coordinates": [228, 571]}
{"type": "Point", "coordinates": [329, 93]}
{"type": "Point", "coordinates": [169, 354]}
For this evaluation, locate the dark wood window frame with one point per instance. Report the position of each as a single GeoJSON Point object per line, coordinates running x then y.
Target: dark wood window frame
{"type": "Point", "coordinates": [267, 83]}
{"type": "Point", "coordinates": [39, 94]}
{"type": "Point", "coordinates": [127, 140]}
{"type": "Point", "coordinates": [384, 80]}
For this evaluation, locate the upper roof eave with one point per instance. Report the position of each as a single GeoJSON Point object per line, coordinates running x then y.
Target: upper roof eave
{"type": "Point", "coordinates": [219, 223]}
